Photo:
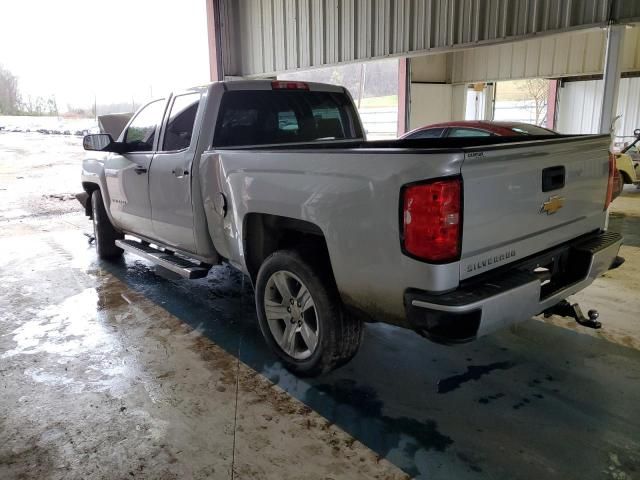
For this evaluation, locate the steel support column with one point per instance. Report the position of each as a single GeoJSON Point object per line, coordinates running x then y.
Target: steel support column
{"type": "Point", "coordinates": [612, 66]}
{"type": "Point", "coordinates": [489, 101]}
{"type": "Point", "coordinates": [404, 95]}
{"type": "Point", "coordinates": [216, 69]}
{"type": "Point", "coordinates": [552, 102]}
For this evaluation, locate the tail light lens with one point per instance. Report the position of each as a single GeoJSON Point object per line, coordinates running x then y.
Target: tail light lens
{"type": "Point", "coordinates": [431, 220]}
{"type": "Point", "coordinates": [611, 180]}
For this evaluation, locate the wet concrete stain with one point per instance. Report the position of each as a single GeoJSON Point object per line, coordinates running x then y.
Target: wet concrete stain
{"type": "Point", "coordinates": [412, 434]}
{"type": "Point", "coordinates": [521, 403]}
{"type": "Point", "coordinates": [231, 324]}
{"type": "Point", "coordinates": [474, 372]}
{"type": "Point", "coordinates": [490, 398]}
{"type": "Point", "coordinates": [627, 225]}
{"type": "Point", "coordinates": [469, 460]}
{"type": "Point", "coordinates": [395, 411]}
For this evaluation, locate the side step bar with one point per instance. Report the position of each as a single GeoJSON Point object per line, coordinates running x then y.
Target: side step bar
{"type": "Point", "coordinates": [179, 265]}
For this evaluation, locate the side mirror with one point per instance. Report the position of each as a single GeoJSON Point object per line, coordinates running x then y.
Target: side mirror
{"type": "Point", "coordinates": [636, 132]}
{"type": "Point", "coordinates": [101, 142]}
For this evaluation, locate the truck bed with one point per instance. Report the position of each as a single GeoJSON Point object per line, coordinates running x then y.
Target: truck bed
{"type": "Point", "coordinates": [411, 145]}
{"type": "Point", "coordinates": [351, 192]}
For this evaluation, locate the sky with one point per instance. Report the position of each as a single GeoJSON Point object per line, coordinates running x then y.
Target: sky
{"type": "Point", "coordinates": [115, 50]}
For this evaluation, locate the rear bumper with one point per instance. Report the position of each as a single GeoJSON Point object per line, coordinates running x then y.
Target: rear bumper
{"type": "Point", "coordinates": [497, 299]}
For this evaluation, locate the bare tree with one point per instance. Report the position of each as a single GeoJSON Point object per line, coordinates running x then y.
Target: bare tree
{"type": "Point", "coordinates": [52, 106]}
{"type": "Point", "coordinates": [537, 90]}
{"type": "Point", "coordinates": [9, 96]}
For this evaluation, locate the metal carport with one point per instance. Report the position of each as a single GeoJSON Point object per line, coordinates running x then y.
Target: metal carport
{"type": "Point", "coordinates": [257, 38]}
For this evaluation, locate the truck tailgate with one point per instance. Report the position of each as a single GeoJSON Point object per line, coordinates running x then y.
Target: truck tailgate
{"type": "Point", "coordinates": [521, 199]}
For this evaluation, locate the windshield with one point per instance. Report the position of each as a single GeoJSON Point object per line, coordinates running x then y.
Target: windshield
{"type": "Point", "coordinates": [269, 117]}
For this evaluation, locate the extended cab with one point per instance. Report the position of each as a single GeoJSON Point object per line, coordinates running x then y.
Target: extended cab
{"type": "Point", "coordinates": [451, 237]}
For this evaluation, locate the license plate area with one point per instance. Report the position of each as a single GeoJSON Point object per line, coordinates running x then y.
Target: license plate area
{"type": "Point", "coordinates": [560, 269]}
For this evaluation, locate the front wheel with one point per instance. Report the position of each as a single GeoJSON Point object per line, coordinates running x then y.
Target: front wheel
{"type": "Point", "coordinates": [301, 315]}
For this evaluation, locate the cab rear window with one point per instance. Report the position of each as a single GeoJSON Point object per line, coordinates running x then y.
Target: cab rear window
{"type": "Point", "coordinates": [272, 117]}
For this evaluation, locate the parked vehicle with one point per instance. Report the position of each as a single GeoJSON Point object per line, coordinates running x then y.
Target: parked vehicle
{"type": "Point", "coordinates": [477, 128]}
{"type": "Point", "coordinates": [628, 162]}
{"type": "Point", "coordinates": [628, 170]}
{"type": "Point", "coordinates": [451, 237]}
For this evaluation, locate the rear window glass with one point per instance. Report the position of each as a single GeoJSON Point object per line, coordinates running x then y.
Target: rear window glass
{"type": "Point", "coordinates": [268, 117]}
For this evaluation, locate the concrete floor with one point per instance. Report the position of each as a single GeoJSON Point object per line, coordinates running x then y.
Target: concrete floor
{"type": "Point", "coordinates": [117, 370]}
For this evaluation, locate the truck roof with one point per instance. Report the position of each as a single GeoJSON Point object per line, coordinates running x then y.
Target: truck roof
{"type": "Point", "coordinates": [281, 84]}
{"type": "Point", "coordinates": [232, 85]}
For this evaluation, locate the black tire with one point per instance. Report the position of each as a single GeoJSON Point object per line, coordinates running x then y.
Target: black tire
{"type": "Point", "coordinates": [339, 335]}
{"type": "Point", "coordinates": [103, 231]}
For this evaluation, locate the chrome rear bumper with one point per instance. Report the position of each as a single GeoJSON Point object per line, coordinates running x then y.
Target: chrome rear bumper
{"type": "Point", "coordinates": [499, 299]}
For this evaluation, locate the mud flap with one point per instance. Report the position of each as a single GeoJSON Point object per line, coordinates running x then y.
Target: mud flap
{"type": "Point", "coordinates": [83, 198]}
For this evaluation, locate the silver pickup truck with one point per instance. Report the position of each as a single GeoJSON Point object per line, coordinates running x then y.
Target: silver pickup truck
{"type": "Point", "coordinates": [450, 237]}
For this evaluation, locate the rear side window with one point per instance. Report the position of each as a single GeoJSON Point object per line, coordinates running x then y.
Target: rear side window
{"type": "Point", "coordinates": [468, 132]}
{"type": "Point", "coordinates": [428, 133]}
{"type": "Point", "coordinates": [180, 125]}
{"type": "Point", "coordinates": [267, 117]}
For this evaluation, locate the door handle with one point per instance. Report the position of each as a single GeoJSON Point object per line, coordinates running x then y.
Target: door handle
{"type": "Point", "coordinates": [553, 178]}
{"type": "Point", "coordinates": [140, 170]}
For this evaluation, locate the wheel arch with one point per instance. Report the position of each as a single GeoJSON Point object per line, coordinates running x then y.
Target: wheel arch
{"type": "Point", "coordinates": [89, 188]}
{"type": "Point", "coordinates": [263, 234]}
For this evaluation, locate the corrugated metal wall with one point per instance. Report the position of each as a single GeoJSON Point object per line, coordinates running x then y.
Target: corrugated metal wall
{"type": "Point", "coordinates": [579, 53]}
{"type": "Point", "coordinates": [580, 104]}
{"type": "Point", "coordinates": [270, 36]}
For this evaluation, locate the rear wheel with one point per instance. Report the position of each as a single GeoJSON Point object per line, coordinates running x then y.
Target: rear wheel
{"type": "Point", "coordinates": [104, 233]}
{"type": "Point", "coordinates": [301, 315]}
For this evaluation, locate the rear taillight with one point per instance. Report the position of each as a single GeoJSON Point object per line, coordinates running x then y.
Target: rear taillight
{"type": "Point", "coordinates": [610, 181]}
{"type": "Point", "coordinates": [431, 220]}
{"type": "Point", "coordinates": [284, 85]}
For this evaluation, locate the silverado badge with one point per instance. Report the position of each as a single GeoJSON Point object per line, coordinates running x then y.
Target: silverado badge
{"type": "Point", "coordinates": [552, 205]}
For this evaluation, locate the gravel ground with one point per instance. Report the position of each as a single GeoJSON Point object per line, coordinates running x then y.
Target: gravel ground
{"type": "Point", "coordinates": [39, 175]}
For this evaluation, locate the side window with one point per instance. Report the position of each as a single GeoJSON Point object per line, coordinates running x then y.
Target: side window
{"type": "Point", "coordinates": [328, 122]}
{"type": "Point", "coordinates": [468, 132]}
{"type": "Point", "coordinates": [182, 117]}
{"type": "Point", "coordinates": [238, 126]}
{"type": "Point", "coordinates": [143, 129]}
{"type": "Point", "coordinates": [287, 121]}
{"type": "Point", "coordinates": [428, 133]}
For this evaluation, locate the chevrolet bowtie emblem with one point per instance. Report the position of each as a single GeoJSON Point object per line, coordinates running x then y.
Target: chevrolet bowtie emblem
{"type": "Point", "coordinates": [552, 205]}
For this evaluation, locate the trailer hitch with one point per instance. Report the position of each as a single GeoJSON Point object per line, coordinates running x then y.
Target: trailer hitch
{"type": "Point", "coordinates": [565, 309]}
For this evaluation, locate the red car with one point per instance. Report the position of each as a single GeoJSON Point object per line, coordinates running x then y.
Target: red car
{"type": "Point", "coordinates": [477, 128]}
{"type": "Point", "coordinates": [482, 128]}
